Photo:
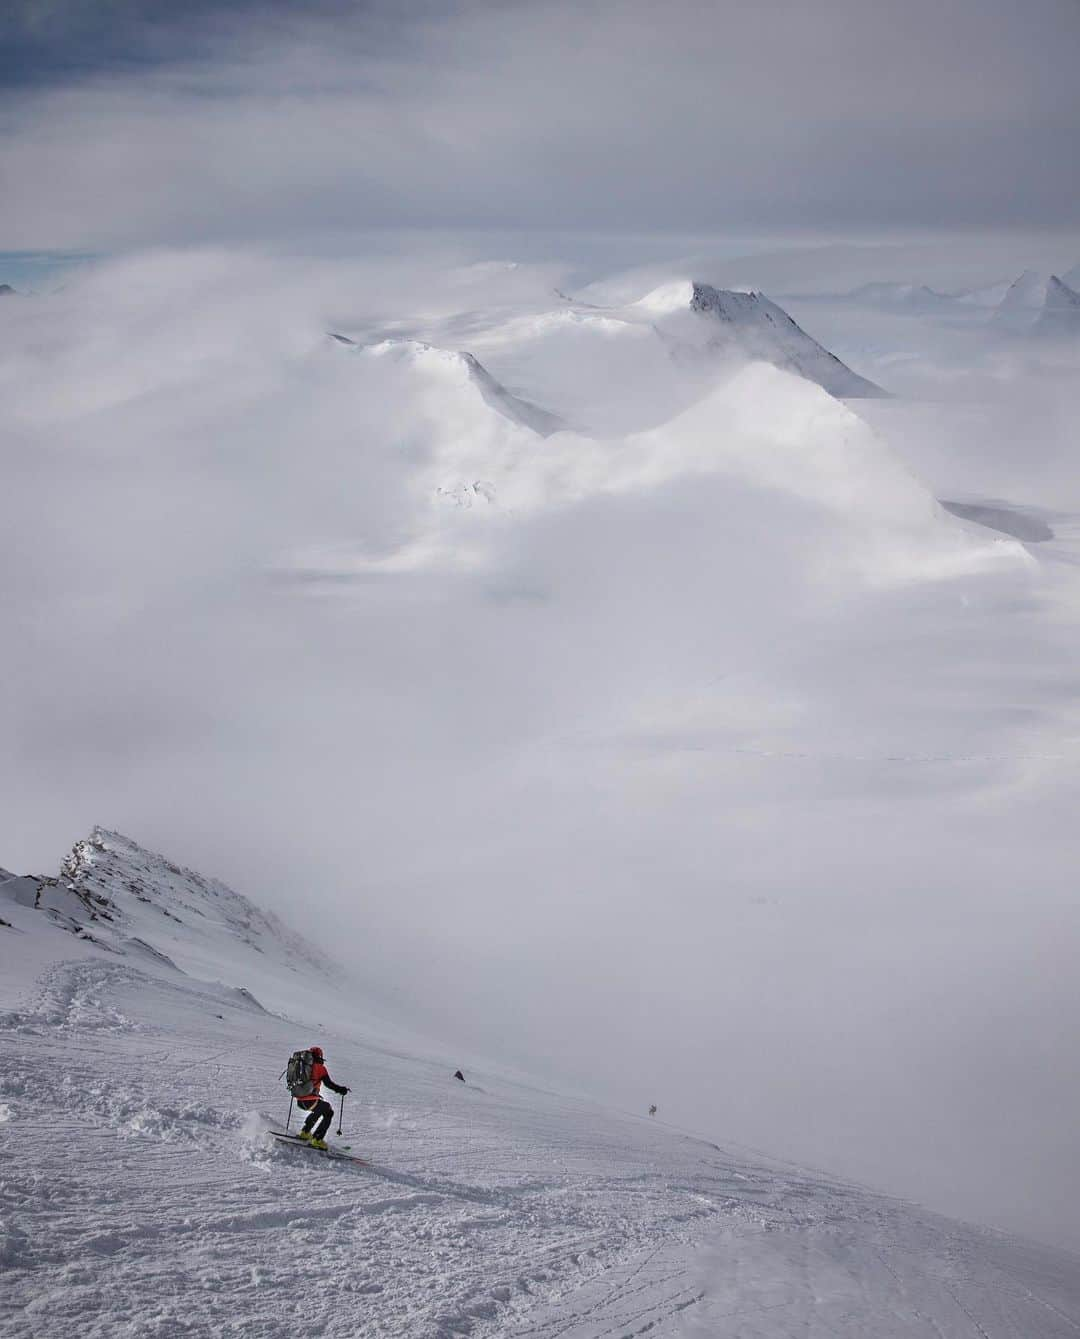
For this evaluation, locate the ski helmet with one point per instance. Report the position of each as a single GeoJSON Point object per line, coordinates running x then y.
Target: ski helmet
{"type": "Point", "coordinates": [316, 1050]}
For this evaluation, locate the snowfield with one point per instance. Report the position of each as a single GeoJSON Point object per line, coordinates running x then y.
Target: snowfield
{"type": "Point", "coordinates": [141, 1193]}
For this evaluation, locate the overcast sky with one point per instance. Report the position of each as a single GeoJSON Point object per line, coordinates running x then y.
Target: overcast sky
{"type": "Point", "coordinates": [141, 123]}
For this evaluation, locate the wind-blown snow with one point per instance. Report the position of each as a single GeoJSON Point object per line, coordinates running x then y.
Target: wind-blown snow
{"type": "Point", "coordinates": [450, 364]}
{"type": "Point", "coordinates": [149, 1196]}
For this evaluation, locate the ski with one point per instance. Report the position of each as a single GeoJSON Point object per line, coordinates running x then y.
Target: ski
{"type": "Point", "coordinates": [325, 1152]}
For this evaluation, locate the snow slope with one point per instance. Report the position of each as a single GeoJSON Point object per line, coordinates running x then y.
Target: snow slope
{"type": "Point", "coordinates": [763, 330]}
{"type": "Point", "coordinates": [136, 905]}
{"type": "Point", "coordinates": [616, 369]}
{"type": "Point", "coordinates": [756, 433]}
{"type": "Point", "coordinates": [149, 1199]}
{"type": "Point", "coordinates": [1038, 303]}
{"type": "Point", "coordinates": [696, 316]}
{"type": "Point", "coordinates": [1060, 315]}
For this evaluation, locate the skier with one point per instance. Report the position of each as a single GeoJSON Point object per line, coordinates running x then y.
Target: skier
{"type": "Point", "coordinates": [320, 1112]}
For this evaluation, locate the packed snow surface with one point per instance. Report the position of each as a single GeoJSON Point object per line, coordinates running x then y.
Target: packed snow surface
{"type": "Point", "coordinates": [148, 1197]}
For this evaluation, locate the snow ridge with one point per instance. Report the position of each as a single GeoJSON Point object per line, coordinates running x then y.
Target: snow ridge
{"type": "Point", "coordinates": [1060, 314]}
{"type": "Point", "coordinates": [1038, 304]}
{"type": "Point", "coordinates": [763, 330]}
{"type": "Point", "coordinates": [494, 394]}
{"type": "Point", "coordinates": [127, 900]}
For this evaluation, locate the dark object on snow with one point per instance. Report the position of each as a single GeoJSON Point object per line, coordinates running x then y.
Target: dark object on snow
{"type": "Point", "coordinates": [652, 1110]}
{"type": "Point", "coordinates": [458, 1075]}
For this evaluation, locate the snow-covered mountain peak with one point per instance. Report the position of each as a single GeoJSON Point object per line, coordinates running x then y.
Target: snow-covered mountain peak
{"type": "Point", "coordinates": [754, 325]}
{"type": "Point", "coordinates": [1060, 295]}
{"type": "Point", "coordinates": [670, 297]}
{"type": "Point", "coordinates": [1038, 303]}
{"type": "Point", "coordinates": [113, 893]}
{"type": "Point", "coordinates": [1060, 315]}
{"type": "Point", "coordinates": [1024, 299]}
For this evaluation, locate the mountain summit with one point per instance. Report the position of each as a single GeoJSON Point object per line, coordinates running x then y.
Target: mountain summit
{"type": "Point", "coordinates": [1038, 304]}
{"type": "Point", "coordinates": [754, 325]}
{"type": "Point", "coordinates": [132, 903]}
{"type": "Point", "coordinates": [1060, 313]}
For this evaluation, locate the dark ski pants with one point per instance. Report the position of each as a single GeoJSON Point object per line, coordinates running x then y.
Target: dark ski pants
{"type": "Point", "coordinates": [319, 1117]}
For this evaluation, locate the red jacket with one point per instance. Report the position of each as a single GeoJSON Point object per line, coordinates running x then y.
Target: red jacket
{"type": "Point", "coordinates": [319, 1075]}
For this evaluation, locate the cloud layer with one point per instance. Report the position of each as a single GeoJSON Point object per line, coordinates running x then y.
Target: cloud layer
{"type": "Point", "coordinates": [252, 122]}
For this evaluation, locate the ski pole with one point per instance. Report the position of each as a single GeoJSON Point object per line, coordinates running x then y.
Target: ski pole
{"type": "Point", "coordinates": [290, 1116]}
{"type": "Point", "coordinates": [341, 1113]}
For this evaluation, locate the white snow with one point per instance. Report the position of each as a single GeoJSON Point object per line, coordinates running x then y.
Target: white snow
{"type": "Point", "coordinates": [143, 1195]}
{"type": "Point", "coordinates": [1039, 303]}
{"type": "Point", "coordinates": [1060, 315]}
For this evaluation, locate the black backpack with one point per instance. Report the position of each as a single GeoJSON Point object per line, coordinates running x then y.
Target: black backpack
{"type": "Point", "coordinates": [298, 1074]}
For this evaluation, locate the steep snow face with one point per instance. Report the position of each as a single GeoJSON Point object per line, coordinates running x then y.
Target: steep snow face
{"type": "Point", "coordinates": [1060, 315]}
{"type": "Point", "coordinates": [1023, 301]}
{"type": "Point", "coordinates": [1037, 303]}
{"type": "Point", "coordinates": [753, 325]}
{"type": "Point", "coordinates": [135, 904]}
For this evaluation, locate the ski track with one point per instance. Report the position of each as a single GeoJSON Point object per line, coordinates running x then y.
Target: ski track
{"type": "Point", "coordinates": [141, 1195]}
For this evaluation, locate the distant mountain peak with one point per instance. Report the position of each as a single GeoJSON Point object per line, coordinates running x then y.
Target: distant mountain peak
{"type": "Point", "coordinates": [754, 324]}
{"type": "Point", "coordinates": [1060, 315]}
